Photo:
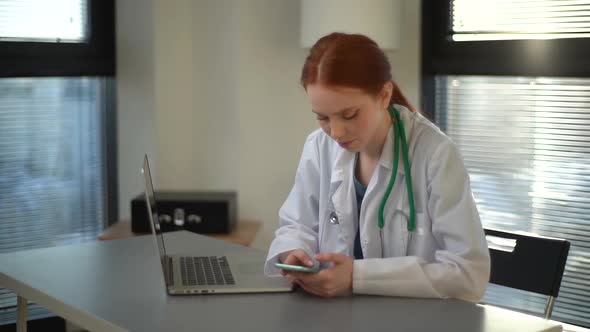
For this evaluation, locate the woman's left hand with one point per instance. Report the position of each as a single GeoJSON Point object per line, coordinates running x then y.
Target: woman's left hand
{"type": "Point", "coordinates": [329, 282]}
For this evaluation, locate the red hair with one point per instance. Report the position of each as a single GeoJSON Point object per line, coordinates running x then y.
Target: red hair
{"type": "Point", "coordinates": [350, 60]}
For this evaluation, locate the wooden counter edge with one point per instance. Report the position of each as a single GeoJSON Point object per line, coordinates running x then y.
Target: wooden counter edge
{"type": "Point", "coordinates": [243, 234]}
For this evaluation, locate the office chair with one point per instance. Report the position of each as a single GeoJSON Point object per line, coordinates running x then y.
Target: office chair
{"type": "Point", "coordinates": [536, 263]}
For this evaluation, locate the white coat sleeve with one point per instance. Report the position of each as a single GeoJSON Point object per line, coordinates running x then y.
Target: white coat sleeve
{"type": "Point", "coordinates": [298, 217]}
{"type": "Point", "coordinates": [462, 264]}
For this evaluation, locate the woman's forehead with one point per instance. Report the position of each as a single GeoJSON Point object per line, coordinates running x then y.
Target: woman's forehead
{"type": "Point", "coordinates": [329, 99]}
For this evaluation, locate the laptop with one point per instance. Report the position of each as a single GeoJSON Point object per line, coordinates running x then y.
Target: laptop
{"type": "Point", "coordinates": [207, 274]}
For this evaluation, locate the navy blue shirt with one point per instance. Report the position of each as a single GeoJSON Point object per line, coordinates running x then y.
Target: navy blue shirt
{"type": "Point", "coordinates": [360, 194]}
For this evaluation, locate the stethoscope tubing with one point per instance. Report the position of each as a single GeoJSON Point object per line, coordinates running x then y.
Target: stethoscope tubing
{"type": "Point", "coordinates": [399, 135]}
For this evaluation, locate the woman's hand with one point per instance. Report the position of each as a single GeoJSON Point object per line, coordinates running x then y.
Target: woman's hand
{"type": "Point", "coordinates": [295, 257]}
{"type": "Point", "coordinates": [329, 282]}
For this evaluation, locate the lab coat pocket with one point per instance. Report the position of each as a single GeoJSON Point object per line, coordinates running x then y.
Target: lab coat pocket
{"type": "Point", "coordinates": [422, 242]}
{"type": "Point", "coordinates": [395, 232]}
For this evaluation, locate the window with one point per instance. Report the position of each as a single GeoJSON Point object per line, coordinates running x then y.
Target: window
{"type": "Point", "coordinates": [525, 142]}
{"type": "Point", "coordinates": [39, 20]}
{"type": "Point", "coordinates": [514, 95]}
{"type": "Point", "coordinates": [74, 38]}
{"type": "Point", "coordinates": [51, 163]}
{"type": "Point", "coordinates": [57, 128]}
{"type": "Point", "coordinates": [521, 19]}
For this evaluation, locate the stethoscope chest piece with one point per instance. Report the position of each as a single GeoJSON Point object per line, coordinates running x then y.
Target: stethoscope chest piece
{"type": "Point", "coordinates": [334, 218]}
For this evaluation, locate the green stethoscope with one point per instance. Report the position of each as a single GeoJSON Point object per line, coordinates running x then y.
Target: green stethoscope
{"type": "Point", "coordinates": [399, 133]}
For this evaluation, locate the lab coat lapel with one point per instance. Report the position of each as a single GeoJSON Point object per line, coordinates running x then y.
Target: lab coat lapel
{"type": "Point", "coordinates": [342, 194]}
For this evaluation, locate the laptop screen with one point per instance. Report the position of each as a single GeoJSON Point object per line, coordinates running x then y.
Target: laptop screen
{"type": "Point", "coordinates": [153, 213]}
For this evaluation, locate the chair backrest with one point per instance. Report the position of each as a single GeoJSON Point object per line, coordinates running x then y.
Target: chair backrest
{"type": "Point", "coordinates": [536, 264]}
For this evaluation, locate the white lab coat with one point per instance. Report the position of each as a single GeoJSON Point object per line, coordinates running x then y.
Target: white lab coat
{"type": "Point", "coordinates": [446, 255]}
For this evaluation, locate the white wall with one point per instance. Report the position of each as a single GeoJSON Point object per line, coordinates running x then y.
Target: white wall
{"type": "Point", "coordinates": [274, 115]}
{"type": "Point", "coordinates": [174, 112]}
{"type": "Point", "coordinates": [135, 94]}
{"type": "Point", "coordinates": [406, 61]}
{"type": "Point", "coordinates": [227, 108]}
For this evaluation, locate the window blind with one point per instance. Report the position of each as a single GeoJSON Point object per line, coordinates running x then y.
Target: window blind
{"type": "Point", "coordinates": [44, 21]}
{"type": "Point", "coordinates": [34, 311]}
{"type": "Point", "coordinates": [519, 19]}
{"type": "Point", "coordinates": [51, 163]}
{"type": "Point", "coordinates": [526, 144]}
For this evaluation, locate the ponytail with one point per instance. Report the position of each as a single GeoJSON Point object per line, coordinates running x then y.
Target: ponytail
{"type": "Point", "coordinates": [397, 97]}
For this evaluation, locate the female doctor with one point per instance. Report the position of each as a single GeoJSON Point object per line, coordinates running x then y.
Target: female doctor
{"type": "Point", "coordinates": [409, 229]}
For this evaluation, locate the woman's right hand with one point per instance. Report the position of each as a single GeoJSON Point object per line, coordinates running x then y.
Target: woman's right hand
{"type": "Point", "coordinates": [295, 257]}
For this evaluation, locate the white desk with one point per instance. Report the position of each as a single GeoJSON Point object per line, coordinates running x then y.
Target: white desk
{"type": "Point", "coordinates": [118, 286]}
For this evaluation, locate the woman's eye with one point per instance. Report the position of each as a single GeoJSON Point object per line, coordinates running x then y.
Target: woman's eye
{"type": "Point", "coordinates": [322, 118]}
{"type": "Point", "coordinates": [350, 116]}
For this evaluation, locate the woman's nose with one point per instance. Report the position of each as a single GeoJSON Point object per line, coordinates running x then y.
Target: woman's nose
{"type": "Point", "coordinates": [337, 130]}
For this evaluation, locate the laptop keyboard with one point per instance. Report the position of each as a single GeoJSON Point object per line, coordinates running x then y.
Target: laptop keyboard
{"type": "Point", "coordinates": [202, 271]}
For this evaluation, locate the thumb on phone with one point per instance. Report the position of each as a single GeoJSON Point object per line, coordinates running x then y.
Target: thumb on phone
{"type": "Point", "coordinates": [298, 257]}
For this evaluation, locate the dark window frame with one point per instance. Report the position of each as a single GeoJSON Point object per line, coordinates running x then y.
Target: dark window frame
{"type": "Point", "coordinates": [40, 59]}
{"type": "Point", "coordinates": [93, 58]}
{"type": "Point", "coordinates": [441, 56]}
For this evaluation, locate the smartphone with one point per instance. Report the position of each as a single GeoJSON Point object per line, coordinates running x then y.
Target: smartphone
{"type": "Point", "coordinates": [298, 268]}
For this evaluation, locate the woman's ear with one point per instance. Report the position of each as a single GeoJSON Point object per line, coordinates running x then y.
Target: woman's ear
{"type": "Point", "coordinates": [386, 94]}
